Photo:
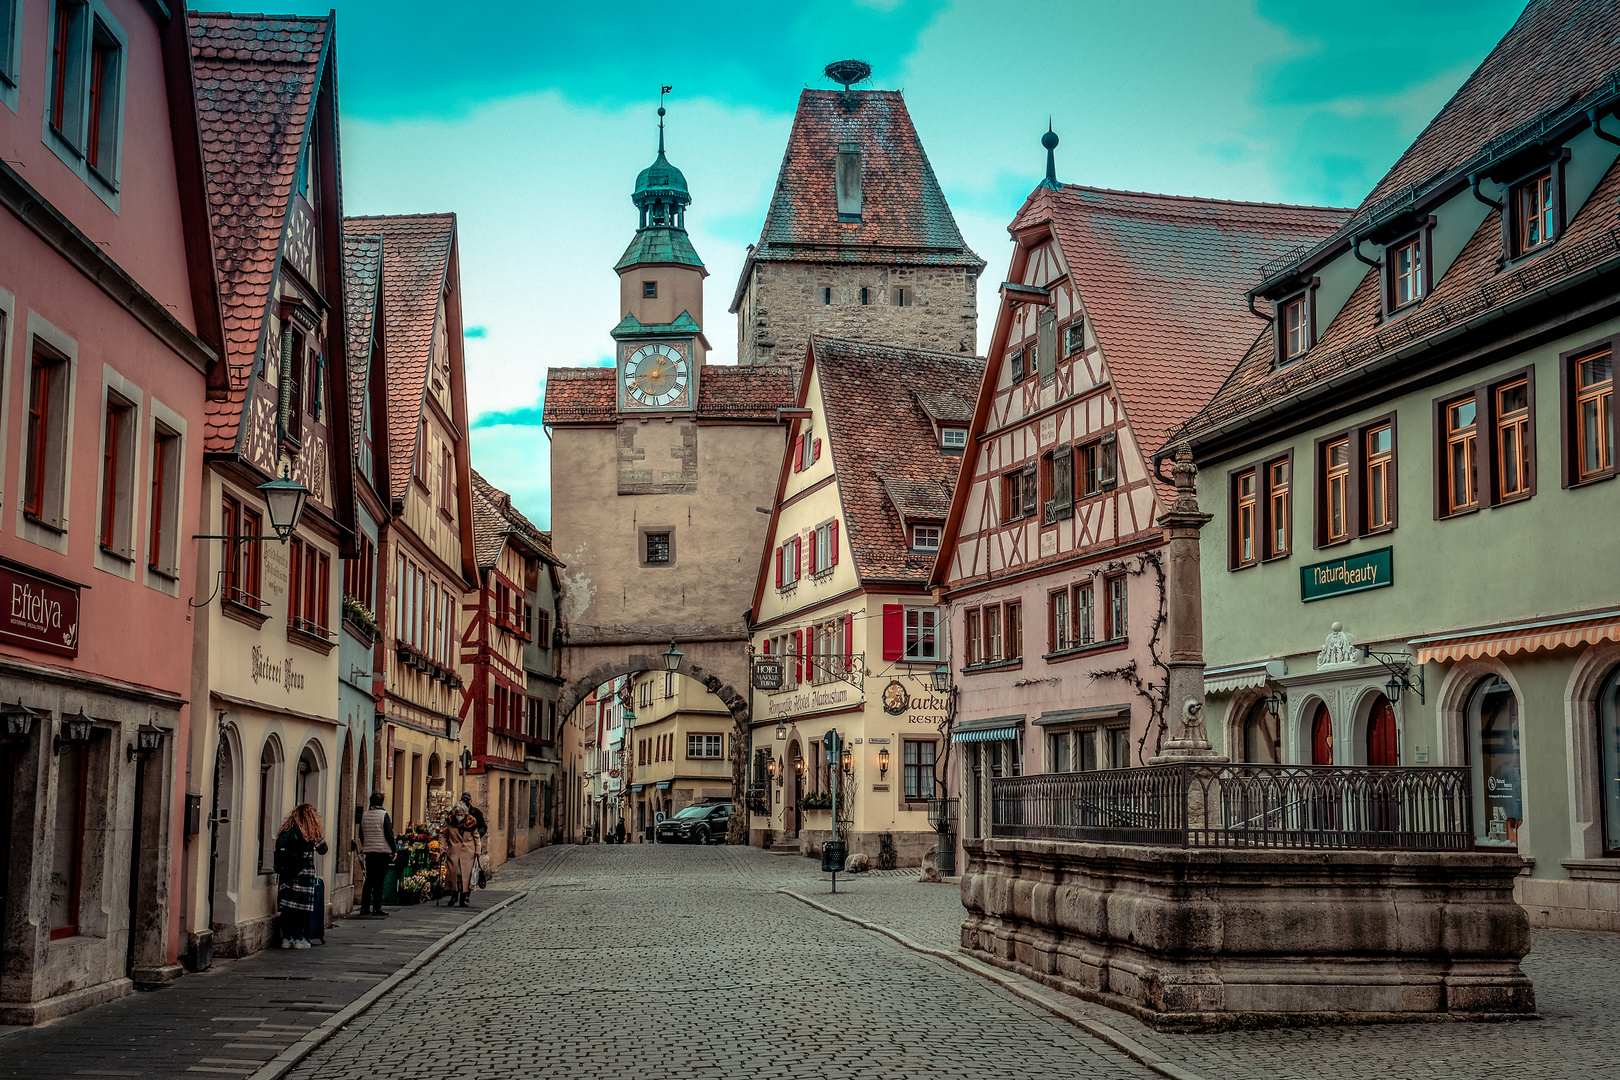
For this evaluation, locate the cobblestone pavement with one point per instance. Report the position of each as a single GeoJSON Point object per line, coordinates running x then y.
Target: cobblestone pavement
{"type": "Point", "coordinates": [660, 961]}
{"type": "Point", "coordinates": [231, 1019]}
{"type": "Point", "coordinates": [1577, 977]}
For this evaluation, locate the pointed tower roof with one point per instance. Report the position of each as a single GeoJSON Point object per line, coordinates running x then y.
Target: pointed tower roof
{"type": "Point", "coordinates": [661, 196]}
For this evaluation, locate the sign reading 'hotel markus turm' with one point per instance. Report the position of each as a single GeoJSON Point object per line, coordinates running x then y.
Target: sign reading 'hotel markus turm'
{"type": "Point", "coordinates": [1353, 573]}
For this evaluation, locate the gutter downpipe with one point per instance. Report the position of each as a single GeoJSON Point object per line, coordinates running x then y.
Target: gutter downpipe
{"type": "Point", "coordinates": [1258, 314]}
{"type": "Point", "coordinates": [1597, 127]}
{"type": "Point", "coordinates": [1355, 249]}
{"type": "Point", "coordinates": [1473, 182]}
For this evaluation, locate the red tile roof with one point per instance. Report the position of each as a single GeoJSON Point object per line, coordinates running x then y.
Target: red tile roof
{"type": "Point", "coordinates": [1163, 280]}
{"type": "Point", "coordinates": [889, 464]}
{"type": "Point", "coordinates": [495, 518]}
{"type": "Point", "coordinates": [415, 269]}
{"type": "Point", "coordinates": [725, 392]}
{"type": "Point", "coordinates": [256, 80]}
{"type": "Point", "coordinates": [362, 269]}
{"type": "Point", "coordinates": [904, 216]}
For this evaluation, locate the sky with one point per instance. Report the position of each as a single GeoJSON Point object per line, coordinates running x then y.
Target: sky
{"type": "Point", "coordinates": [530, 121]}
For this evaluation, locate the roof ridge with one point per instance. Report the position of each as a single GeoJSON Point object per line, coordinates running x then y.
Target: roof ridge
{"type": "Point", "coordinates": [432, 215]}
{"type": "Point", "coordinates": [1204, 199]}
{"type": "Point", "coordinates": [864, 344]}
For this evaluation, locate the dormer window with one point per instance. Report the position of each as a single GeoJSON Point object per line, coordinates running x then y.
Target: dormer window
{"type": "Point", "coordinates": [1296, 324]}
{"type": "Point", "coordinates": [1406, 263]}
{"type": "Point", "coordinates": [1534, 223]}
{"type": "Point", "coordinates": [925, 537]}
{"type": "Point", "coordinates": [953, 438]}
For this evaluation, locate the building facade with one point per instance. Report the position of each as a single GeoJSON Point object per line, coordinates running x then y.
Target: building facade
{"type": "Point", "coordinates": [859, 241]}
{"type": "Point", "coordinates": [1438, 383]}
{"type": "Point", "coordinates": [107, 352]}
{"type": "Point", "coordinates": [1119, 317]}
{"type": "Point", "coordinates": [679, 753]}
{"type": "Point", "coordinates": [842, 598]}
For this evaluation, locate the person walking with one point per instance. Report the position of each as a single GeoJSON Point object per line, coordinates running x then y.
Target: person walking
{"type": "Point", "coordinates": [299, 841]}
{"type": "Point", "coordinates": [480, 853]}
{"type": "Point", "coordinates": [377, 844]}
{"type": "Point", "coordinates": [458, 849]}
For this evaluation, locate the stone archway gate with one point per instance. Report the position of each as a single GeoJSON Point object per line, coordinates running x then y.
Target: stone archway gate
{"type": "Point", "coordinates": [637, 663]}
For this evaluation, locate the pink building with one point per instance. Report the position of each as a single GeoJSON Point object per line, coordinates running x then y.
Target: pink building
{"type": "Point", "coordinates": [1117, 321]}
{"type": "Point", "coordinates": [109, 334]}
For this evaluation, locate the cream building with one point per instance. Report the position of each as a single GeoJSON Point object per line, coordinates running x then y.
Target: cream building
{"type": "Point", "coordinates": [679, 749]}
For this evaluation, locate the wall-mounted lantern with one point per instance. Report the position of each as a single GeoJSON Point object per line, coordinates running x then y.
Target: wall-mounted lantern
{"type": "Point", "coordinates": [798, 765]}
{"type": "Point", "coordinates": [284, 500]}
{"type": "Point", "coordinates": [942, 679]}
{"type": "Point", "coordinates": [883, 762]}
{"type": "Point", "coordinates": [74, 730]}
{"type": "Point", "coordinates": [16, 721]}
{"type": "Point", "coordinates": [846, 760]}
{"type": "Point", "coordinates": [148, 740]}
{"type": "Point", "coordinates": [672, 658]}
{"type": "Point", "coordinates": [1276, 702]}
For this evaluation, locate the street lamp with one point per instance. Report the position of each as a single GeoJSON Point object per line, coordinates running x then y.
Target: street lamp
{"type": "Point", "coordinates": [883, 763]}
{"type": "Point", "coordinates": [284, 499]}
{"type": "Point", "coordinates": [1275, 702]}
{"type": "Point", "coordinates": [846, 760]}
{"type": "Point", "coordinates": [18, 722]}
{"type": "Point", "coordinates": [798, 764]}
{"type": "Point", "coordinates": [942, 679]}
{"type": "Point", "coordinates": [672, 658]}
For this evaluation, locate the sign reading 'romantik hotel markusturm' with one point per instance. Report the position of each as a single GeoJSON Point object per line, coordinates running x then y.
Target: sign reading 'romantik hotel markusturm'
{"type": "Point", "coordinates": [1353, 573]}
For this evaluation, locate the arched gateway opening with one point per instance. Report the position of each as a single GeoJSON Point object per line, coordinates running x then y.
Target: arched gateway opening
{"type": "Point", "coordinates": [637, 664]}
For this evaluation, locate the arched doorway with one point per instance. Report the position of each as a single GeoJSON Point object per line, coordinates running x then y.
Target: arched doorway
{"type": "Point", "coordinates": [1321, 736]}
{"type": "Point", "coordinates": [1383, 742]}
{"type": "Point", "coordinates": [1608, 717]}
{"type": "Point", "coordinates": [1493, 750]}
{"type": "Point", "coordinates": [792, 784]}
{"type": "Point", "coordinates": [1260, 742]}
{"type": "Point", "coordinates": [226, 837]}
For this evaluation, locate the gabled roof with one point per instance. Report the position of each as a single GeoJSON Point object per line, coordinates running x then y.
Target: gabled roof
{"type": "Point", "coordinates": [725, 392]}
{"type": "Point", "coordinates": [362, 274]}
{"type": "Point", "coordinates": [887, 459]}
{"type": "Point", "coordinates": [495, 520]}
{"type": "Point", "coordinates": [415, 267]}
{"type": "Point", "coordinates": [256, 79]}
{"type": "Point", "coordinates": [1163, 281]}
{"type": "Point", "coordinates": [904, 216]}
{"type": "Point", "coordinates": [945, 408]}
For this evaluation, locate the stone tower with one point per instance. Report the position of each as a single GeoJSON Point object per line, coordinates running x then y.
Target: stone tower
{"type": "Point", "coordinates": [859, 241]}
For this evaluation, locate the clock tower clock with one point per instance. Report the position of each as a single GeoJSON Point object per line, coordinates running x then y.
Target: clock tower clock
{"type": "Point", "coordinates": [660, 345]}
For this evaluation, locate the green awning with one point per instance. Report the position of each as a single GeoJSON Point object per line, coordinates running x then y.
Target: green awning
{"type": "Point", "coordinates": [985, 735]}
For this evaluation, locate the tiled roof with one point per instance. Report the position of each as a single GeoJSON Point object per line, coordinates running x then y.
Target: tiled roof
{"type": "Point", "coordinates": [945, 408]}
{"type": "Point", "coordinates": [904, 216]}
{"type": "Point", "coordinates": [1558, 50]}
{"type": "Point", "coordinates": [495, 518]}
{"type": "Point", "coordinates": [416, 260]}
{"type": "Point", "coordinates": [255, 81]}
{"type": "Point", "coordinates": [725, 392]}
{"type": "Point", "coordinates": [362, 266]}
{"type": "Point", "coordinates": [1163, 280]}
{"type": "Point", "coordinates": [884, 451]}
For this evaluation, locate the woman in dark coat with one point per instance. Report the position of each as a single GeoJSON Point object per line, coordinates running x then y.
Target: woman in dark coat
{"type": "Point", "coordinates": [458, 848]}
{"type": "Point", "coordinates": [300, 840]}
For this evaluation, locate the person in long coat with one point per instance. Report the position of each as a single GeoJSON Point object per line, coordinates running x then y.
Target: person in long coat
{"type": "Point", "coordinates": [458, 847]}
{"type": "Point", "coordinates": [300, 840]}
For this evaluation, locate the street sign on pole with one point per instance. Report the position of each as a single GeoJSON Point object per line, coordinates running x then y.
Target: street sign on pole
{"type": "Point", "coordinates": [832, 852]}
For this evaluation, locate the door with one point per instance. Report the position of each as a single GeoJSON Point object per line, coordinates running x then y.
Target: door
{"type": "Point", "coordinates": [1383, 748]}
{"type": "Point", "coordinates": [794, 783]}
{"type": "Point", "coordinates": [1322, 737]}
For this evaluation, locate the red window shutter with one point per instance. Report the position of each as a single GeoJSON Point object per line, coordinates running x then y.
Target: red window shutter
{"type": "Point", "coordinates": [798, 453]}
{"type": "Point", "coordinates": [815, 451]}
{"type": "Point", "coordinates": [767, 646]}
{"type": "Point", "coordinates": [798, 558]}
{"type": "Point", "coordinates": [832, 543]}
{"type": "Point", "coordinates": [849, 636]}
{"type": "Point", "coordinates": [894, 631]}
{"type": "Point", "coordinates": [812, 551]}
{"type": "Point", "coordinates": [778, 568]}
{"type": "Point", "coordinates": [798, 656]}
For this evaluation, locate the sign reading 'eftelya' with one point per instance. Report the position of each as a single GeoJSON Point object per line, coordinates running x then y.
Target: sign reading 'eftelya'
{"type": "Point", "coordinates": [1353, 573]}
{"type": "Point", "coordinates": [40, 613]}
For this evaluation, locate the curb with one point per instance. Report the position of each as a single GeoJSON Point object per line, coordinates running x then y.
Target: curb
{"type": "Point", "coordinates": [284, 1062]}
{"type": "Point", "coordinates": [1052, 1001]}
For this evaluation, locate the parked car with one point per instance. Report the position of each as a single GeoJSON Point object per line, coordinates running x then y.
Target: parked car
{"type": "Point", "coordinates": [696, 825]}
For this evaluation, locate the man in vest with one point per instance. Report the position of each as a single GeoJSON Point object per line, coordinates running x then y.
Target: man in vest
{"type": "Point", "coordinates": [377, 844]}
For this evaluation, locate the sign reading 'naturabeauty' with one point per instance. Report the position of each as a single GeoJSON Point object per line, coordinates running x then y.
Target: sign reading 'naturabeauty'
{"type": "Point", "coordinates": [1353, 573]}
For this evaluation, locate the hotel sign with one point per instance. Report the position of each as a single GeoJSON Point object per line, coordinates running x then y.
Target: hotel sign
{"type": "Point", "coordinates": [1354, 573]}
{"type": "Point", "coordinates": [40, 613]}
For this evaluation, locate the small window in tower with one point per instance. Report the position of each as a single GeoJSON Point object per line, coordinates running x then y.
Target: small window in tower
{"type": "Point", "coordinates": [866, 297]}
{"type": "Point", "coordinates": [900, 298]}
{"type": "Point", "coordinates": [649, 290]}
{"type": "Point", "coordinates": [826, 296]}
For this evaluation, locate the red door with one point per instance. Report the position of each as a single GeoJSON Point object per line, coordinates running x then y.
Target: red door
{"type": "Point", "coordinates": [1383, 749]}
{"type": "Point", "coordinates": [1322, 737]}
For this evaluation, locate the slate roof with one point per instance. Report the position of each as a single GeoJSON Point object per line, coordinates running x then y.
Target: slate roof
{"type": "Point", "coordinates": [1163, 280]}
{"type": "Point", "coordinates": [659, 244]}
{"type": "Point", "coordinates": [256, 81]}
{"type": "Point", "coordinates": [945, 408]}
{"type": "Point", "coordinates": [725, 392]}
{"type": "Point", "coordinates": [904, 216]}
{"type": "Point", "coordinates": [1558, 48]}
{"type": "Point", "coordinates": [415, 263]}
{"type": "Point", "coordinates": [362, 269]}
{"type": "Point", "coordinates": [889, 464]}
{"type": "Point", "coordinates": [495, 518]}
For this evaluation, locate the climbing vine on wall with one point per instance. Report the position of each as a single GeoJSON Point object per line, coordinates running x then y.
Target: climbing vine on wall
{"type": "Point", "coordinates": [1153, 687]}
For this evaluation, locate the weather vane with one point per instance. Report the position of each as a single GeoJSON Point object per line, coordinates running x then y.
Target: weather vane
{"type": "Point", "coordinates": [661, 92]}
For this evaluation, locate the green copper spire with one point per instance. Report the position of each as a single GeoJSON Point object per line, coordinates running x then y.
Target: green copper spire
{"type": "Point", "coordinates": [662, 197]}
{"type": "Point", "coordinates": [1050, 141]}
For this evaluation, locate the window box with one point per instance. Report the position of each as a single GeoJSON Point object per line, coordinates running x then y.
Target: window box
{"type": "Point", "coordinates": [310, 637]}
{"type": "Point", "coordinates": [244, 609]}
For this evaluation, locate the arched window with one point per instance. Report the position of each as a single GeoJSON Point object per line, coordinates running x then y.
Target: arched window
{"type": "Point", "coordinates": [1608, 725]}
{"type": "Point", "coordinates": [1493, 750]}
{"type": "Point", "coordinates": [269, 803]}
{"type": "Point", "coordinates": [1260, 735]}
{"type": "Point", "coordinates": [1383, 744]}
{"type": "Point", "coordinates": [1321, 736]}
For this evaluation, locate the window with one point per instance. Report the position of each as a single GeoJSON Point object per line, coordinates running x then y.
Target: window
{"type": "Point", "coordinates": [67, 838]}
{"type": "Point", "coordinates": [9, 10]}
{"type": "Point", "coordinates": [703, 746]}
{"type": "Point", "coordinates": [1059, 468]}
{"type": "Point", "coordinates": [1594, 416]}
{"type": "Point", "coordinates": [1533, 213]}
{"type": "Point", "coordinates": [649, 290]}
{"type": "Point", "coordinates": [309, 588]}
{"type": "Point", "coordinates": [1485, 445]}
{"type": "Point", "coordinates": [1406, 273]}
{"type": "Point", "coordinates": [447, 479]}
{"type": "Point", "coordinates": [117, 476]}
{"type": "Point", "coordinates": [1059, 630]}
{"type": "Point", "coordinates": [1295, 327]}
{"type": "Point", "coordinates": [359, 573]}
{"type": "Point", "coordinates": [992, 634]}
{"type": "Point", "coordinates": [1118, 607]}
{"type": "Point", "coordinates": [1247, 488]}
{"type": "Point", "coordinates": [1059, 751]}
{"type": "Point", "coordinates": [241, 582]}
{"type": "Point", "coordinates": [1015, 364]}
{"type": "Point", "coordinates": [921, 641]}
{"type": "Point", "coordinates": [419, 465]}
{"type": "Point", "coordinates": [865, 297]}
{"type": "Point", "coordinates": [953, 438]}
{"type": "Point", "coordinates": [918, 759]}
{"type": "Point", "coordinates": [1380, 478]}
{"type": "Point", "coordinates": [1014, 618]}
{"type": "Point", "coordinates": [270, 804]}
{"type": "Point", "coordinates": [1261, 511]}
{"type": "Point", "coordinates": [67, 68]}
{"type": "Point", "coordinates": [1119, 748]}
{"type": "Point", "coordinates": [972, 643]}
{"type": "Point", "coordinates": [1280, 506]}
{"type": "Point", "coordinates": [900, 297]}
{"type": "Point", "coordinates": [1513, 440]}
{"type": "Point", "coordinates": [1461, 457]}
{"type": "Point", "coordinates": [162, 554]}
{"type": "Point", "coordinates": [925, 537]}
{"type": "Point", "coordinates": [46, 452]}
{"type": "Point", "coordinates": [1074, 337]}
{"type": "Point", "coordinates": [824, 547]}
{"type": "Point", "coordinates": [1097, 465]}
{"type": "Point", "coordinates": [1019, 495]}
{"type": "Point", "coordinates": [101, 142]}
{"type": "Point", "coordinates": [788, 566]}
{"type": "Point", "coordinates": [1085, 614]}
{"type": "Point", "coordinates": [1493, 745]}
{"type": "Point", "coordinates": [1608, 727]}
{"type": "Point", "coordinates": [1337, 487]}
{"type": "Point", "coordinates": [658, 547]}
{"type": "Point", "coordinates": [826, 296]}
{"type": "Point", "coordinates": [293, 382]}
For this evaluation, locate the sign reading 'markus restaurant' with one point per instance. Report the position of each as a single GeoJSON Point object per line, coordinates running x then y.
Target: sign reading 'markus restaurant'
{"type": "Point", "coordinates": [41, 613]}
{"type": "Point", "coordinates": [1353, 573]}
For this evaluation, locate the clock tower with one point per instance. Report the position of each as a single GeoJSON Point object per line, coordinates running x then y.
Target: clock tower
{"type": "Point", "coordinates": [660, 345]}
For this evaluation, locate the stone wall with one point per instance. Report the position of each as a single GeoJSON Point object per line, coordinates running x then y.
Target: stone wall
{"type": "Point", "coordinates": [783, 305]}
{"type": "Point", "coordinates": [1199, 939]}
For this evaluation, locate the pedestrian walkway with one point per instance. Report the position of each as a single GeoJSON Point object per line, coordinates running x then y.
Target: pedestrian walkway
{"type": "Point", "coordinates": [231, 1019]}
{"type": "Point", "coordinates": [1577, 995]}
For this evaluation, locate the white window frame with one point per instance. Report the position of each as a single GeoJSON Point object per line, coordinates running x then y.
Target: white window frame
{"type": "Point", "coordinates": [703, 742]}
{"type": "Point", "coordinates": [790, 566]}
{"type": "Point", "coordinates": [824, 553]}
{"type": "Point", "coordinates": [121, 560]}
{"type": "Point", "coordinates": [102, 178]}
{"type": "Point", "coordinates": [953, 438]}
{"type": "Point", "coordinates": [913, 620]}
{"type": "Point", "coordinates": [917, 532]}
{"type": "Point", "coordinates": [52, 531]}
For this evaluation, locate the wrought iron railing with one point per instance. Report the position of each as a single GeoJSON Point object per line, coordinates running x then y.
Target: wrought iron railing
{"type": "Point", "coordinates": [1239, 806]}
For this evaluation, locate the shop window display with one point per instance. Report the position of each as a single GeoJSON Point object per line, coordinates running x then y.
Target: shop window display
{"type": "Point", "coordinates": [1493, 745]}
{"type": "Point", "coordinates": [1608, 718]}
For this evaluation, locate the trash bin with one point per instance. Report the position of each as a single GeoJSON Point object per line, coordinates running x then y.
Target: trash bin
{"type": "Point", "coordinates": [650, 829]}
{"type": "Point", "coordinates": [832, 856]}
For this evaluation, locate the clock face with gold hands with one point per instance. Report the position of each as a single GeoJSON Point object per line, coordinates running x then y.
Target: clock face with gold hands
{"type": "Point", "coordinates": [656, 375]}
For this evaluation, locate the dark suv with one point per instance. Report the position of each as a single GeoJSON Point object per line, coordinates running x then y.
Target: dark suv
{"type": "Point", "coordinates": [696, 825]}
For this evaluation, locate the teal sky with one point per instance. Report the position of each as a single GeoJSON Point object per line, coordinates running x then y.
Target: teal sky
{"type": "Point", "coordinates": [530, 121]}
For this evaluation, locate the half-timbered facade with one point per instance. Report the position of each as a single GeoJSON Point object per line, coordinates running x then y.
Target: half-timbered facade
{"type": "Point", "coordinates": [1118, 319]}
{"type": "Point", "coordinates": [842, 597]}
{"type": "Point", "coordinates": [266, 625]}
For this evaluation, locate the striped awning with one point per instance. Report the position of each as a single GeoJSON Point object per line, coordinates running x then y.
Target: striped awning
{"type": "Point", "coordinates": [1224, 680]}
{"type": "Point", "coordinates": [988, 729]}
{"type": "Point", "coordinates": [986, 735]}
{"type": "Point", "coordinates": [663, 785]}
{"type": "Point", "coordinates": [1521, 638]}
